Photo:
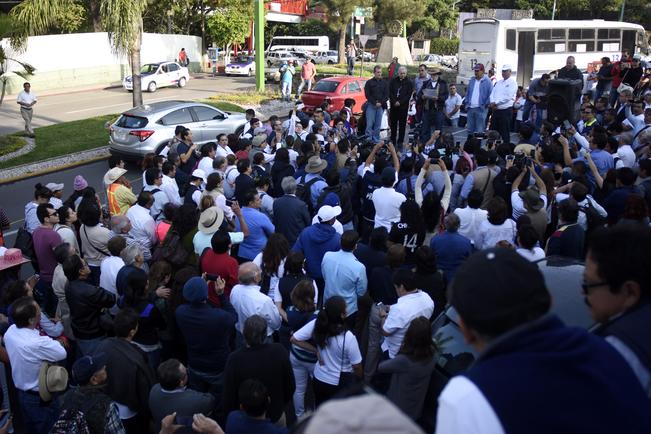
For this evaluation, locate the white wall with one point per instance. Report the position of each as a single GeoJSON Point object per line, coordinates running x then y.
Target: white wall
{"type": "Point", "coordinates": [60, 59]}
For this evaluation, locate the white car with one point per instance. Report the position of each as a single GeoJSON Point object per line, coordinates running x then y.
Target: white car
{"type": "Point", "coordinates": [155, 75]}
{"type": "Point", "coordinates": [243, 65]}
{"type": "Point", "coordinates": [278, 57]}
{"type": "Point", "coordinates": [330, 57]}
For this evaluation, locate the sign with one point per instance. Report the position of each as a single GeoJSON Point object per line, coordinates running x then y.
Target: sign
{"type": "Point", "coordinates": [363, 12]}
{"type": "Point", "coordinates": [363, 39]}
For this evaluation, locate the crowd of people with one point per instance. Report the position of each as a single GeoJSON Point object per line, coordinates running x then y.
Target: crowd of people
{"type": "Point", "coordinates": [253, 282]}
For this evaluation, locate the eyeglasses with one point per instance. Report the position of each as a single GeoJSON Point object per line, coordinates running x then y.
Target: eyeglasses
{"type": "Point", "coordinates": [586, 287]}
{"type": "Point", "coordinates": [55, 213]}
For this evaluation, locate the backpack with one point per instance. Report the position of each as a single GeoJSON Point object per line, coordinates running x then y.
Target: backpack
{"type": "Point", "coordinates": [593, 219]}
{"type": "Point", "coordinates": [70, 422]}
{"type": "Point", "coordinates": [171, 250]}
{"type": "Point", "coordinates": [304, 191]}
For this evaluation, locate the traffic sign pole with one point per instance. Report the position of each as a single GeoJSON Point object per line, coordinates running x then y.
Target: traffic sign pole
{"type": "Point", "coordinates": [258, 33]}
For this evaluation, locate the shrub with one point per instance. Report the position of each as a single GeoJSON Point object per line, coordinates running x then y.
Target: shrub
{"type": "Point", "coordinates": [444, 46]}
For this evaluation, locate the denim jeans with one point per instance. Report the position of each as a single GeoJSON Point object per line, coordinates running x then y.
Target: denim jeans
{"type": "Point", "coordinates": [302, 85]}
{"type": "Point", "coordinates": [302, 373]}
{"type": "Point", "coordinates": [350, 61]}
{"type": "Point", "coordinates": [38, 418]}
{"type": "Point", "coordinates": [286, 89]}
{"type": "Point", "coordinates": [373, 122]}
{"type": "Point", "coordinates": [453, 122]}
{"type": "Point", "coordinates": [432, 120]}
{"type": "Point", "coordinates": [476, 120]}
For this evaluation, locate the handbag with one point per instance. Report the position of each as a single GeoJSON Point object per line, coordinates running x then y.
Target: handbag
{"type": "Point", "coordinates": [25, 243]}
{"type": "Point", "coordinates": [346, 379]}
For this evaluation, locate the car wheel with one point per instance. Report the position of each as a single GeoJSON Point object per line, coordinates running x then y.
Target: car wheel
{"type": "Point", "coordinates": [152, 87]}
{"type": "Point", "coordinates": [248, 73]}
{"type": "Point", "coordinates": [330, 62]}
{"type": "Point", "coordinates": [182, 82]}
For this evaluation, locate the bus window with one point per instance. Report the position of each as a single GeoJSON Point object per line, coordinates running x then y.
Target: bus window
{"type": "Point", "coordinates": [551, 41]}
{"type": "Point", "coordinates": [582, 34]}
{"type": "Point", "coordinates": [478, 32]}
{"type": "Point", "coordinates": [608, 34]}
{"type": "Point", "coordinates": [510, 39]}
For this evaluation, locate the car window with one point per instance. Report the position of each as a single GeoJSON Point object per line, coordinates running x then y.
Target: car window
{"type": "Point", "coordinates": [163, 69]}
{"type": "Point", "coordinates": [128, 121]}
{"type": "Point", "coordinates": [353, 87]}
{"type": "Point", "coordinates": [180, 116]}
{"type": "Point", "coordinates": [206, 113]}
{"type": "Point", "coordinates": [326, 86]}
{"type": "Point", "coordinates": [172, 67]}
{"type": "Point", "coordinates": [150, 68]}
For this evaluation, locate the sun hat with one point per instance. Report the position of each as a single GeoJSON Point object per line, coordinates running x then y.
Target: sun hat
{"type": "Point", "coordinates": [258, 140]}
{"type": "Point", "coordinates": [80, 183]}
{"type": "Point", "coordinates": [315, 164]}
{"type": "Point", "coordinates": [531, 198]}
{"type": "Point", "coordinates": [113, 175]}
{"type": "Point", "coordinates": [84, 368]}
{"type": "Point", "coordinates": [210, 220]}
{"type": "Point", "coordinates": [51, 379]}
{"type": "Point", "coordinates": [53, 186]}
{"type": "Point", "coordinates": [327, 213]}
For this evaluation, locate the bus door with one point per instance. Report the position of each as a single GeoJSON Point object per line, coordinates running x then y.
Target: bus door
{"type": "Point", "coordinates": [526, 51]}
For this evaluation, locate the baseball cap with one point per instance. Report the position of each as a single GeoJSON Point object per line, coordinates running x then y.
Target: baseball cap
{"type": "Point", "coordinates": [85, 367]}
{"type": "Point", "coordinates": [53, 186]}
{"type": "Point", "coordinates": [496, 290]}
{"type": "Point", "coordinates": [506, 67]}
{"type": "Point", "coordinates": [327, 212]}
{"type": "Point", "coordinates": [198, 173]}
{"type": "Point", "coordinates": [478, 67]}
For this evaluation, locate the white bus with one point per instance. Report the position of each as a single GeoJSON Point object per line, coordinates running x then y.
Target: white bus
{"type": "Point", "coordinates": [300, 43]}
{"type": "Point", "coordinates": [533, 47]}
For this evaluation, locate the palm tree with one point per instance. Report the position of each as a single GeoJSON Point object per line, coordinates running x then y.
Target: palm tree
{"type": "Point", "coordinates": [122, 19]}
{"type": "Point", "coordinates": [5, 59]}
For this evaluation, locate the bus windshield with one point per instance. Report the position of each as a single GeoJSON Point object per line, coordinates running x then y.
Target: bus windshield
{"type": "Point", "coordinates": [478, 32]}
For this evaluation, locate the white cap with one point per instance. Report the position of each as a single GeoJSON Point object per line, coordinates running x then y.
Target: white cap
{"type": "Point", "coordinates": [506, 67]}
{"type": "Point", "coordinates": [53, 186]}
{"type": "Point", "coordinates": [327, 212]}
{"type": "Point", "coordinates": [198, 173]}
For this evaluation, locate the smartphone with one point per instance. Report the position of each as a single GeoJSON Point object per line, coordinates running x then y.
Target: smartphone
{"type": "Point", "coordinates": [567, 124]}
{"type": "Point", "coordinates": [183, 420]}
{"type": "Point", "coordinates": [510, 157]}
{"type": "Point", "coordinates": [212, 277]}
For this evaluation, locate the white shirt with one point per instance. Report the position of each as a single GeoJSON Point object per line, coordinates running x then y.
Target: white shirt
{"type": "Point", "coordinates": [27, 349]}
{"type": "Point", "coordinates": [143, 227]}
{"type": "Point", "coordinates": [583, 220]}
{"type": "Point", "coordinates": [401, 314]}
{"type": "Point", "coordinates": [463, 409]}
{"type": "Point", "coordinates": [387, 203]}
{"type": "Point", "coordinates": [107, 280]}
{"type": "Point", "coordinates": [223, 152]}
{"type": "Point", "coordinates": [160, 200]}
{"type": "Point", "coordinates": [26, 97]}
{"type": "Point", "coordinates": [451, 103]}
{"type": "Point", "coordinates": [470, 220]}
{"type": "Point", "coordinates": [532, 255]}
{"type": "Point", "coordinates": [474, 100]}
{"type": "Point", "coordinates": [503, 94]}
{"type": "Point", "coordinates": [626, 156]}
{"type": "Point", "coordinates": [67, 236]}
{"type": "Point", "coordinates": [332, 353]}
{"type": "Point", "coordinates": [518, 204]}
{"type": "Point", "coordinates": [274, 293]}
{"type": "Point", "coordinates": [171, 189]}
{"type": "Point", "coordinates": [247, 300]}
{"type": "Point", "coordinates": [490, 234]}
{"type": "Point", "coordinates": [205, 164]}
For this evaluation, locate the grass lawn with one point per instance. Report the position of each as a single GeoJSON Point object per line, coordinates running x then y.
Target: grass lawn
{"type": "Point", "coordinates": [71, 137]}
{"type": "Point", "coordinates": [11, 143]}
{"type": "Point", "coordinates": [246, 98]}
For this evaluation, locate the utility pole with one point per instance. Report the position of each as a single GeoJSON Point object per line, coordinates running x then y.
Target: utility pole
{"type": "Point", "coordinates": [554, 10]}
{"type": "Point", "coordinates": [258, 35]}
{"type": "Point", "coordinates": [621, 12]}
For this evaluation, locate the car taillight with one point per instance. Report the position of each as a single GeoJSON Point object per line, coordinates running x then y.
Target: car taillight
{"type": "Point", "coordinates": [142, 134]}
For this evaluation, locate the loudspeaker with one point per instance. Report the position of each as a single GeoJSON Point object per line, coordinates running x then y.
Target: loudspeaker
{"type": "Point", "coordinates": [563, 101]}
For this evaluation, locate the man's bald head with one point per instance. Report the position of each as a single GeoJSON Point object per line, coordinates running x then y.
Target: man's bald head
{"type": "Point", "coordinates": [248, 274]}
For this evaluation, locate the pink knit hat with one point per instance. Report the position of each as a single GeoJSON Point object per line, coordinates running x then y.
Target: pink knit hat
{"type": "Point", "coordinates": [80, 183]}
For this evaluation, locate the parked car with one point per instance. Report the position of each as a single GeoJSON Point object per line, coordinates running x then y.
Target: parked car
{"type": "Point", "coordinates": [148, 128]}
{"type": "Point", "coordinates": [276, 58]}
{"type": "Point", "coordinates": [155, 75]}
{"type": "Point", "coordinates": [368, 56]}
{"type": "Point", "coordinates": [335, 90]}
{"type": "Point", "coordinates": [429, 59]}
{"type": "Point", "coordinates": [330, 57]}
{"type": "Point", "coordinates": [243, 65]}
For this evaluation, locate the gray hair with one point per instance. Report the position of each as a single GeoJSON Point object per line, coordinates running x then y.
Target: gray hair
{"type": "Point", "coordinates": [288, 185]}
{"type": "Point", "coordinates": [119, 222]}
{"type": "Point", "coordinates": [452, 222]}
{"type": "Point", "coordinates": [628, 92]}
{"type": "Point", "coordinates": [248, 273]}
{"type": "Point", "coordinates": [131, 253]}
{"type": "Point", "coordinates": [255, 330]}
{"type": "Point", "coordinates": [402, 69]}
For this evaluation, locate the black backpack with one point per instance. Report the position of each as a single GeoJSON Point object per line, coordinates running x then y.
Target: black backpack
{"type": "Point", "coordinates": [593, 219]}
{"type": "Point", "coordinates": [304, 191]}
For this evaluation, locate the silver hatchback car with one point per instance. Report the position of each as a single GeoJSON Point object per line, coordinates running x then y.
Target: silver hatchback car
{"type": "Point", "coordinates": [148, 128]}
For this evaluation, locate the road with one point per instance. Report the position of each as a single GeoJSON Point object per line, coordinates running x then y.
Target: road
{"type": "Point", "coordinates": [73, 105]}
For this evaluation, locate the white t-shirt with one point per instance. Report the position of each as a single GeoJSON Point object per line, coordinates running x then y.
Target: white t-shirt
{"type": "Point", "coordinates": [451, 103]}
{"type": "Point", "coordinates": [401, 314]}
{"type": "Point", "coordinates": [331, 355]}
{"type": "Point", "coordinates": [474, 99]}
{"type": "Point", "coordinates": [532, 255]}
{"type": "Point", "coordinates": [205, 164]}
{"type": "Point", "coordinates": [223, 152]}
{"type": "Point", "coordinates": [26, 97]}
{"type": "Point", "coordinates": [470, 220]}
{"type": "Point", "coordinates": [108, 274]}
{"type": "Point", "coordinates": [626, 156]}
{"type": "Point", "coordinates": [490, 234]}
{"type": "Point", "coordinates": [387, 203]}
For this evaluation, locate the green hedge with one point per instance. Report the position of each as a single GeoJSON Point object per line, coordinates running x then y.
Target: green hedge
{"type": "Point", "coordinates": [444, 46]}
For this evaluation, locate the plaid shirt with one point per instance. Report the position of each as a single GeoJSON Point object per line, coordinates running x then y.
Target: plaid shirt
{"type": "Point", "coordinates": [113, 421]}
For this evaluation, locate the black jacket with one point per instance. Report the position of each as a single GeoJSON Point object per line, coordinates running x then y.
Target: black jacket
{"type": "Point", "coordinates": [400, 91]}
{"type": "Point", "coordinates": [86, 303]}
{"type": "Point", "coordinates": [290, 217]}
{"type": "Point", "coordinates": [571, 74]}
{"type": "Point", "coordinates": [278, 171]}
{"type": "Point", "coordinates": [93, 402]}
{"type": "Point", "coordinates": [377, 91]}
{"type": "Point", "coordinates": [443, 95]}
{"type": "Point", "coordinates": [129, 376]}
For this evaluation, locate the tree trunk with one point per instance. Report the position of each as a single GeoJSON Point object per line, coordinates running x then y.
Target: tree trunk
{"type": "Point", "coordinates": [134, 60]}
{"type": "Point", "coordinates": [342, 44]}
{"type": "Point", "coordinates": [93, 6]}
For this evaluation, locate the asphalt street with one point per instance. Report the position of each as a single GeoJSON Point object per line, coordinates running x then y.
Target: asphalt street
{"type": "Point", "coordinates": [70, 105]}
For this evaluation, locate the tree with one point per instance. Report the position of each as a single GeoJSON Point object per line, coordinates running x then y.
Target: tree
{"type": "Point", "coordinates": [6, 59]}
{"type": "Point", "coordinates": [339, 13]}
{"type": "Point", "coordinates": [122, 19]}
{"type": "Point", "coordinates": [439, 14]}
{"type": "Point", "coordinates": [231, 24]}
{"type": "Point", "coordinates": [387, 11]}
